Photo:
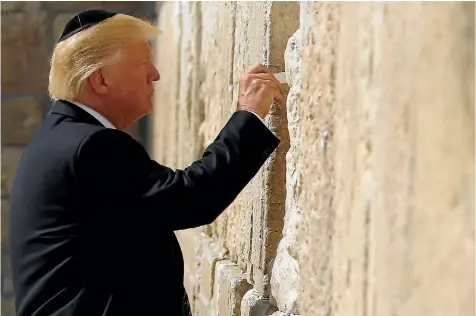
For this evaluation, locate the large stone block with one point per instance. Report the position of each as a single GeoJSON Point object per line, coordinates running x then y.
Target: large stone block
{"type": "Point", "coordinates": [190, 244]}
{"type": "Point", "coordinates": [10, 158]}
{"type": "Point", "coordinates": [24, 51]}
{"type": "Point", "coordinates": [249, 38]}
{"type": "Point", "coordinates": [20, 119]}
{"type": "Point", "coordinates": [209, 253]}
{"type": "Point", "coordinates": [230, 287]}
{"type": "Point", "coordinates": [320, 31]}
{"type": "Point", "coordinates": [253, 304]}
{"type": "Point", "coordinates": [202, 307]}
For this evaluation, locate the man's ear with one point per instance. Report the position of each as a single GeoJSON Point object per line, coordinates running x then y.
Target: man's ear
{"type": "Point", "coordinates": [98, 82]}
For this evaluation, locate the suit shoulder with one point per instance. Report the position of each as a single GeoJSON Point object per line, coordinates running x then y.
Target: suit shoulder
{"type": "Point", "coordinates": [110, 146]}
{"type": "Point", "coordinates": [108, 159]}
{"type": "Point", "coordinates": [108, 139]}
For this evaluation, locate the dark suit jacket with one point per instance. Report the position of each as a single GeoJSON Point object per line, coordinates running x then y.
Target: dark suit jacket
{"type": "Point", "coordinates": [92, 217]}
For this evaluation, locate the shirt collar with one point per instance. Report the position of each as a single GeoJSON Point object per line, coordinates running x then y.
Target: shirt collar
{"type": "Point", "coordinates": [98, 116]}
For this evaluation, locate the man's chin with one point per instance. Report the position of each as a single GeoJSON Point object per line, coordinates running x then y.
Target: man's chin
{"type": "Point", "coordinates": [147, 109]}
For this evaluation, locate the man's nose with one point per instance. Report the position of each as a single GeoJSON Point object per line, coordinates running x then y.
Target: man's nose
{"type": "Point", "coordinates": [155, 76]}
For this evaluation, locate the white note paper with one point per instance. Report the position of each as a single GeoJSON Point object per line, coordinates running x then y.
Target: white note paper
{"type": "Point", "coordinates": [281, 77]}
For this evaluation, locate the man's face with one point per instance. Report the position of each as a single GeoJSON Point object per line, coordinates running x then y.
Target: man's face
{"type": "Point", "coordinates": [130, 81]}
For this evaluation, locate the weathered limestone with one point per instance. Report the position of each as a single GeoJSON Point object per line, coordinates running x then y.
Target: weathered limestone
{"type": "Point", "coordinates": [285, 271]}
{"type": "Point", "coordinates": [230, 287]}
{"type": "Point", "coordinates": [215, 73]}
{"type": "Point", "coordinates": [253, 304]}
{"type": "Point", "coordinates": [191, 245]}
{"type": "Point", "coordinates": [319, 27]}
{"type": "Point", "coordinates": [281, 22]}
{"type": "Point", "coordinates": [273, 23]}
{"type": "Point", "coordinates": [388, 189]}
{"type": "Point", "coordinates": [249, 46]}
{"type": "Point", "coordinates": [367, 206]}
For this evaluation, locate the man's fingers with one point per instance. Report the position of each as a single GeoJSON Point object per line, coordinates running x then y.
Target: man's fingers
{"type": "Point", "coordinates": [258, 68]}
{"type": "Point", "coordinates": [278, 96]}
{"type": "Point", "coordinates": [270, 77]}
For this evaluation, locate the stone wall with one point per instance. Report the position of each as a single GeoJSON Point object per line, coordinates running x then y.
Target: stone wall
{"type": "Point", "coordinates": [29, 31]}
{"type": "Point", "coordinates": [367, 206]}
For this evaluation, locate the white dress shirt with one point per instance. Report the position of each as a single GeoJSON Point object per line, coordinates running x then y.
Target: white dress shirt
{"type": "Point", "coordinates": [98, 116]}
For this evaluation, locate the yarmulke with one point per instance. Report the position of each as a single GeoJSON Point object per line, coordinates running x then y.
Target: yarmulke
{"type": "Point", "coordinates": [84, 20]}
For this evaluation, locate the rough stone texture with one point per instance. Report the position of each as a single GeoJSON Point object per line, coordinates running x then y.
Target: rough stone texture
{"type": "Point", "coordinates": [285, 269]}
{"type": "Point", "coordinates": [261, 33]}
{"type": "Point", "coordinates": [24, 50]}
{"type": "Point", "coordinates": [230, 287]}
{"type": "Point", "coordinates": [281, 21]}
{"type": "Point", "coordinates": [367, 207]}
{"type": "Point", "coordinates": [205, 65]}
{"type": "Point", "coordinates": [319, 27]}
{"type": "Point", "coordinates": [249, 46]}
{"type": "Point", "coordinates": [190, 242]}
{"type": "Point", "coordinates": [253, 304]}
{"type": "Point", "coordinates": [211, 253]}
{"type": "Point", "coordinates": [388, 90]}
{"type": "Point", "coordinates": [215, 75]}
{"type": "Point", "coordinates": [21, 118]}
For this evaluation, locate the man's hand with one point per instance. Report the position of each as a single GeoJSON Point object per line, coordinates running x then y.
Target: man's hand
{"type": "Point", "coordinates": [258, 88]}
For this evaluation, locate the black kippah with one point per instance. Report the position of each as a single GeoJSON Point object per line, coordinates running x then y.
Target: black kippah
{"type": "Point", "coordinates": [84, 20]}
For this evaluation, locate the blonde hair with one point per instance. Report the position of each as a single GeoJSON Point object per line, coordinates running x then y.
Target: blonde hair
{"type": "Point", "coordinates": [76, 58]}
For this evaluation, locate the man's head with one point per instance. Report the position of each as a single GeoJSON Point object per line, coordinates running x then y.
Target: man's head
{"type": "Point", "coordinates": [103, 60]}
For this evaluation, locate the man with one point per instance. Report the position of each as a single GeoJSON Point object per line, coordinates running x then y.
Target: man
{"type": "Point", "coordinates": [92, 217]}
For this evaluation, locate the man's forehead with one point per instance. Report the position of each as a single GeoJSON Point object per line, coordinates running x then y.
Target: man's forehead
{"type": "Point", "coordinates": [139, 49]}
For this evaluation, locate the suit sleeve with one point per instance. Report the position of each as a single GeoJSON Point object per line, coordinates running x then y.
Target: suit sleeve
{"type": "Point", "coordinates": [116, 170]}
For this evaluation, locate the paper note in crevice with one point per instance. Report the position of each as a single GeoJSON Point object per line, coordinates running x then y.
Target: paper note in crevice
{"type": "Point", "coordinates": [281, 77]}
